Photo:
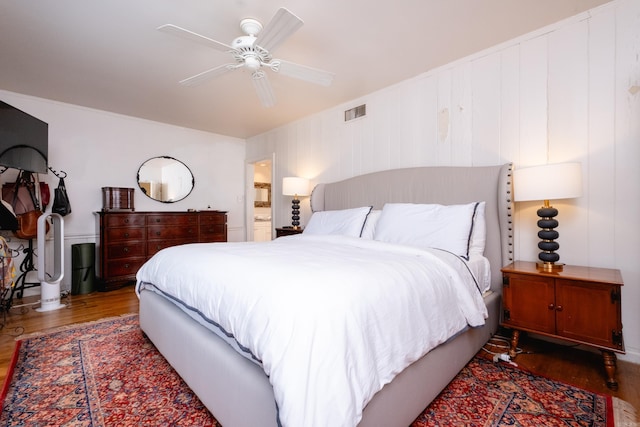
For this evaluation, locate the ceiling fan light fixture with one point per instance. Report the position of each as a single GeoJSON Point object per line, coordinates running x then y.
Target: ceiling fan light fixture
{"type": "Point", "coordinates": [252, 62]}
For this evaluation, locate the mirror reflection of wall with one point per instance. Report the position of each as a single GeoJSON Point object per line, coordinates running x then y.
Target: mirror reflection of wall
{"type": "Point", "coordinates": [165, 179]}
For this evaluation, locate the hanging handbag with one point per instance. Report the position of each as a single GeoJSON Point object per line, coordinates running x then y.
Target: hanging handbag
{"type": "Point", "coordinates": [61, 204]}
{"type": "Point", "coordinates": [28, 225]}
{"type": "Point", "coordinates": [26, 206]}
{"type": "Point", "coordinates": [20, 194]}
{"type": "Point", "coordinates": [45, 195]}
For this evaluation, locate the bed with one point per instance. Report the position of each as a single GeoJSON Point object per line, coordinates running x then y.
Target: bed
{"type": "Point", "coordinates": [219, 368]}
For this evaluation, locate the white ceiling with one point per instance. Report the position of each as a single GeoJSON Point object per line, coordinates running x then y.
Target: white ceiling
{"type": "Point", "coordinates": [108, 55]}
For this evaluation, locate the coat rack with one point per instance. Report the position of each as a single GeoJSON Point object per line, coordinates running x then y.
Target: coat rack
{"type": "Point", "coordinates": [27, 265]}
{"type": "Point", "coordinates": [61, 174]}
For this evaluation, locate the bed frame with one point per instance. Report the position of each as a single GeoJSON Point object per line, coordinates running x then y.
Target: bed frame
{"type": "Point", "coordinates": [238, 393]}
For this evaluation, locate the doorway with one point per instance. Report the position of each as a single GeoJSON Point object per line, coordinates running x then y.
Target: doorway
{"type": "Point", "coordinates": [262, 217]}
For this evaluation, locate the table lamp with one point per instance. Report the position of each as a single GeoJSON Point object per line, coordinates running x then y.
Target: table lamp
{"type": "Point", "coordinates": [295, 186]}
{"type": "Point", "coordinates": [546, 182]}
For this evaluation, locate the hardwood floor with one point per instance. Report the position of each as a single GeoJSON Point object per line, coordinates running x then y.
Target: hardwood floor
{"type": "Point", "coordinates": [562, 362]}
{"type": "Point", "coordinates": [576, 365]}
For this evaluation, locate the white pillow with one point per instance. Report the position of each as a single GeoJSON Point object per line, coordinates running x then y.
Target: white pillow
{"type": "Point", "coordinates": [370, 224]}
{"type": "Point", "coordinates": [346, 222]}
{"type": "Point", "coordinates": [427, 226]}
{"type": "Point", "coordinates": [479, 233]}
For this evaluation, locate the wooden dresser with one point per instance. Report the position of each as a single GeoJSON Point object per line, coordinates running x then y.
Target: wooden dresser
{"type": "Point", "coordinates": [128, 239]}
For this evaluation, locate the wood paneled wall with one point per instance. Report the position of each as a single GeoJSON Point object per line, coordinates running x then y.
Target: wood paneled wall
{"type": "Point", "coordinates": [568, 92]}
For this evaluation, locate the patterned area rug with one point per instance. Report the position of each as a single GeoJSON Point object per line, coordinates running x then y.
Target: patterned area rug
{"type": "Point", "coordinates": [107, 373]}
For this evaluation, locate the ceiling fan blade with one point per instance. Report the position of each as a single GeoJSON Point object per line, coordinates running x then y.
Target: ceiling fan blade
{"type": "Point", "coordinates": [264, 90]}
{"type": "Point", "coordinates": [209, 74]}
{"type": "Point", "coordinates": [282, 25]}
{"type": "Point", "coordinates": [190, 35]}
{"type": "Point", "coordinates": [302, 72]}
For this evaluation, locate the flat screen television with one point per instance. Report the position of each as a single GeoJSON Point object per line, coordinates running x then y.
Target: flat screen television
{"type": "Point", "coordinates": [24, 140]}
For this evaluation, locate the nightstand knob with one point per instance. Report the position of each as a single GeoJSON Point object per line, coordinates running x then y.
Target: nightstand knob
{"type": "Point", "coordinates": [559, 308]}
{"type": "Point", "coordinates": [551, 306]}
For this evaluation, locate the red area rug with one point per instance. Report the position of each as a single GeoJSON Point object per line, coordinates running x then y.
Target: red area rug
{"type": "Point", "coordinates": [107, 373]}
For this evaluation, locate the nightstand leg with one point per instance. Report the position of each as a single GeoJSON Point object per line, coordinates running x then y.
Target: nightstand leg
{"type": "Point", "coordinates": [515, 336]}
{"type": "Point", "coordinates": [609, 358]}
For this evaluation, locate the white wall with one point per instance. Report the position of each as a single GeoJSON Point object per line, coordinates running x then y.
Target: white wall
{"type": "Point", "coordinates": [100, 149]}
{"type": "Point", "coordinates": [569, 92]}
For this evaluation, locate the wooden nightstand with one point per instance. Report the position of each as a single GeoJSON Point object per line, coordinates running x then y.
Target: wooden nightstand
{"type": "Point", "coordinates": [578, 304]}
{"type": "Point", "coordinates": [287, 231]}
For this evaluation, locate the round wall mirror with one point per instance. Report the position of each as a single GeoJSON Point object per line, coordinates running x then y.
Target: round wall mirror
{"type": "Point", "coordinates": [165, 179]}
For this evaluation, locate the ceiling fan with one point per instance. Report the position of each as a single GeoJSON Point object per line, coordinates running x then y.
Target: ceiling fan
{"type": "Point", "coordinates": [253, 53]}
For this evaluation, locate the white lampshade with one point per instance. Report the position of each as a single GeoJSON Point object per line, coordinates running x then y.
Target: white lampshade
{"type": "Point", "coordinates": [295, 186]}
{"type": "Point", "coordinates": [548, 182]}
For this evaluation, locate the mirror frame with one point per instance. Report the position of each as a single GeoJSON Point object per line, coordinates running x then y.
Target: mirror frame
{"type": "Point", "coordinates": [262, 204]}
{"type": "Point", "coordinates": [193, 181]}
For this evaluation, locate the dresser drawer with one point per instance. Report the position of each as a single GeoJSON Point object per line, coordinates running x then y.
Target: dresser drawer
{"type": "Point", "coordinates": [158, 245]}
{"type": "Point", "coordinates": [124, 250]}
{"type": "Point", "coordinates": [155, 232]}
{"type": "Point", "coordinates": [213, 218]}
{"type": "Point", "coordinates": [171, 219]}
{"type": "Point", "coordinates": [213, 233]}
{"type": "Point", "coordinates": [124, 220]}
{"type": "Point", "coordinates": [125, 234]}
{"type": "Point", "coordinates": [124, 267]}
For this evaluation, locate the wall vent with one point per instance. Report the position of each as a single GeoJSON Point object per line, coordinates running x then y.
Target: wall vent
{"type": "Point", "coordinates": [355, 113]}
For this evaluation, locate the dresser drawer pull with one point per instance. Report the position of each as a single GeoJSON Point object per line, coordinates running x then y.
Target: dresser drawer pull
{"type": "Point", "coordinates": [127, 266]}
{"type": "Point", "coordinates": [125, 250]}
{"type": "Point", "coordinates": [559, 308]}
{"type": "Point", "coordinates": [551, 306]}
{"type": "Point", "coordinates": [126, 234]}
{"type": "Point", "coordinates": [126, 220]}
{"type": "Point", "coordinates": [158, 233]}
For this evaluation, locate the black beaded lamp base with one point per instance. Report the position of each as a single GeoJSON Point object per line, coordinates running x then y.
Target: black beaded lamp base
{"type": "Point", "coordinates": [295, 213]}
{"type": "Point", "coordinates": [547, 222]}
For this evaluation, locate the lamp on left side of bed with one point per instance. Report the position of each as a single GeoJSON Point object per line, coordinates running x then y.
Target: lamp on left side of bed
{"type": "Point", "coordinates": [295, 186]}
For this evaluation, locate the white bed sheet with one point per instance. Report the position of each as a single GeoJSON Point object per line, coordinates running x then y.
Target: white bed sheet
{"type": "Point", "coordinates": [332, 319]}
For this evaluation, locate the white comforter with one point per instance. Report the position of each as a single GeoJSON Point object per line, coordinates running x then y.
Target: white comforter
{"type": "Point", "coordinates": [332, 319]}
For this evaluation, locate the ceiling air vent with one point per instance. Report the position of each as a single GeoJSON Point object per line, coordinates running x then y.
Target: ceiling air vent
{"type": "Point", "coordinates": [355, 113]}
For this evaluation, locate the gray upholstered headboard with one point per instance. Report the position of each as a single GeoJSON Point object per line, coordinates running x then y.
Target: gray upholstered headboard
{"type": "Point", "coordinates": [446, 185]}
